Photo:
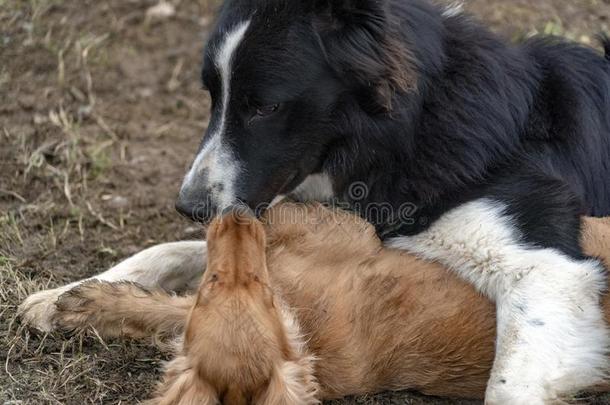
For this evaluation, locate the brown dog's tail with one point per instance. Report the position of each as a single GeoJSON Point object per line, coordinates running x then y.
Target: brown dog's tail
{"type": "Point", "coordinates": [122, 309]}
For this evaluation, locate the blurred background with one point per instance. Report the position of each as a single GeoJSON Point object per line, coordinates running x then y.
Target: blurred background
{"type": "Point", "coordinates": [101, 111]}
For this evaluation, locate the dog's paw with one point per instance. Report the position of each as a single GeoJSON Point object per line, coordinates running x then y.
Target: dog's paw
{"type": "Point", "coordinates": [76, 308]}
{"type": "Point", "coordinates": [38, 310]}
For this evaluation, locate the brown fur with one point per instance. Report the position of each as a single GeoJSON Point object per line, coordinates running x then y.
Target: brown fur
{"type": "Point", "coordinates": [596, 242]}
{"type": "Point", "coordinates": [123, 309]}
{"type": "Point", "coordinates": [375, 319]}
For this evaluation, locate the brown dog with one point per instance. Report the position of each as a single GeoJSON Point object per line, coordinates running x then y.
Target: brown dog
{"type": "Point", "coordinates": [312, 307]}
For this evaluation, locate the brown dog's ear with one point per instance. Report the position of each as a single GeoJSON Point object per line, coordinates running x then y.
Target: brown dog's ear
{"type": "Point", "coordinates": [361, 41]}
{"type": "Point", "coordinates": [182, 386]}
{"type": "Point", "coordinates": [292, 382]}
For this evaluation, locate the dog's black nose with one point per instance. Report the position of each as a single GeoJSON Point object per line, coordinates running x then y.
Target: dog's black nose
{"type": "Point", "coordinates": [184, 209]}
{"type": "Point", "coordinates": [195, 211]}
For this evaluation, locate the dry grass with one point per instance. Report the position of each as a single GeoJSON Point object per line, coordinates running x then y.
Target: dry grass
{"type": "Point", "coordinates": [101, 111]}
{"type": "Point", "coordinates": [71, 153]}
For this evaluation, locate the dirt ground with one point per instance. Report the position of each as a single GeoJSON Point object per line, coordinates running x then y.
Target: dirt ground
{"type": "Point", "coordinates": [100, 114]}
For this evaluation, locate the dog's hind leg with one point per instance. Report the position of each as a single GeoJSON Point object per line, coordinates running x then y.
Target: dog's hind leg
{"type": "Point", "coordinates": [172, 267]}
{"type": "Point", "coordinates": [122, 309]}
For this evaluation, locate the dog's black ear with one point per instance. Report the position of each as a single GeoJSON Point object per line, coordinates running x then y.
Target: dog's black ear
{"type": "Point", "coordinates": [361, 40]}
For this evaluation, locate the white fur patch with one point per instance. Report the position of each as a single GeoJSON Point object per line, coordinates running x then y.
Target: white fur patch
{"type": "Point", "coordinates": [552, 338]}
{"type": "Point", "coordinates": [171, 266]}
{"type": "Point", "coordinates": [216, 158]}
{"type": "Point", "coordinates": [453, 9]}
{"type": "Point", "coordinates": [316, 187]}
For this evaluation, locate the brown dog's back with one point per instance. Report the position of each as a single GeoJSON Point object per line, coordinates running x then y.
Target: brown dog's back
{"type": "Point", "coordinates": [379, 318]}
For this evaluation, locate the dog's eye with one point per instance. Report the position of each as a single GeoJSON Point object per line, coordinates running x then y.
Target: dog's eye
{"type": "Point", "coordinates": [267, 110]}
{"type": "Point", "coordinates": [214, 278]}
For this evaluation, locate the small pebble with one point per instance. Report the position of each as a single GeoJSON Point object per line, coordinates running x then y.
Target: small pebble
{"type": "Point", "coordinates": [162, 10]}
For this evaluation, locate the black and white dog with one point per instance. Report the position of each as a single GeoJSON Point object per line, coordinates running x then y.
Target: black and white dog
{"type": "Point", "coordinates": [499, 148]}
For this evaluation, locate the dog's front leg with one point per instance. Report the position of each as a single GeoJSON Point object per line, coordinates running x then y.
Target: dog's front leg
{"type": "Point", "coordinates": [172, 266]}
{"type": "Point", "coordinates": [552, 339]}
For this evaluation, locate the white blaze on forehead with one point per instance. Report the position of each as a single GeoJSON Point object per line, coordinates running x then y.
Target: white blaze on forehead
{"type": "Point", "coordinates": [216, 169]}
{"type": "Point", "coordinates": [224, 61]}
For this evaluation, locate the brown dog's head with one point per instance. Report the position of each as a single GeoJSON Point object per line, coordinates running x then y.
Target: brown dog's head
{"type": "Point", "coordinates": [241, 345]}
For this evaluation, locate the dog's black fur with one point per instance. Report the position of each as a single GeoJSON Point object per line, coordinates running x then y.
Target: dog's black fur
{"type": "Point", "coordinates": [422, 108]}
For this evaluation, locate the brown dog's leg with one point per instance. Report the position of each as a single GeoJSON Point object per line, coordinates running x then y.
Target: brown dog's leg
{"type": "Point", "coordinates": [122, 309]}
